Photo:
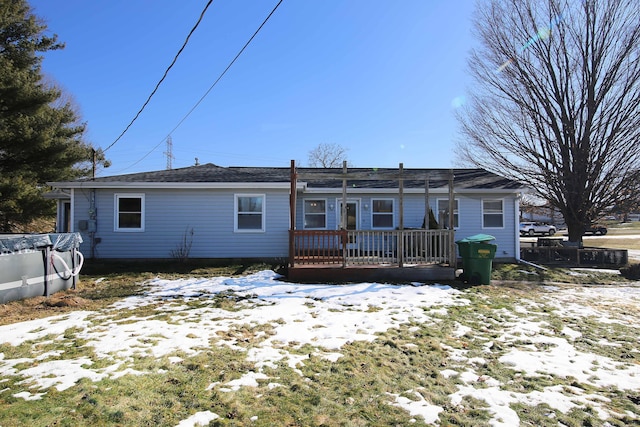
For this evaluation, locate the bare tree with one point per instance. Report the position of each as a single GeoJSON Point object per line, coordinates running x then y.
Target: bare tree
{"type": "Point", "coordinates": [327, 155]}
{"type": "Point", "coordinates": [556, 104]}
{"type": "Point", "coordinates": [631, 203]}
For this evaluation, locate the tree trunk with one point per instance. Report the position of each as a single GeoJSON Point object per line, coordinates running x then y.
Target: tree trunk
{"type": "Point", "coordinates": [575, 231]}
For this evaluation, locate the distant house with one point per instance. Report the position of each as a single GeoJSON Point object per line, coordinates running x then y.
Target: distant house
{"type": "Point", "coordinates": [340, 216]}
{"type": "Point", "coordinates": [544, 213]}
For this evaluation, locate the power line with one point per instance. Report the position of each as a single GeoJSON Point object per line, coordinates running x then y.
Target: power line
{"type": "Point", "coordinates": [208, 90]}
{"type": "Point", "coordinates": [226, 69]}
{"type": "Point", "coordinates": [142, 158]}
{"type": "Point", "coordinates": [175, 58]}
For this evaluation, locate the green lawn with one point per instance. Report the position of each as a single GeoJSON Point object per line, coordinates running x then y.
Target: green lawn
{"type": "Point", "coordinates": [619, 236]}
{"type": "Point", "coordinates": [453, 359]}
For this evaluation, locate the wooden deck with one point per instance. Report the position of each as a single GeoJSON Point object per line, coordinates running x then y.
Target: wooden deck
{"type": "Point", "coordinates": [365, 255]}
{"type": "Point", "coordinates": [396, 255]}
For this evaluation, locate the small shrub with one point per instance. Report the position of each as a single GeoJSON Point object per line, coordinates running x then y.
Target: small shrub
{"type": "Point", "coordinates": [632, 272]}
{"type": "Point", "coordinates": [183, 249]}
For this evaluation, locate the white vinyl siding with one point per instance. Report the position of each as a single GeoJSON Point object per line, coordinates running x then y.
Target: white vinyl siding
{"type": "Point", "coordinates": [249, 213]}
{"type": "Point", "coordinates": [315, 214]}
{"type": "Point", "coordinates": [129, 212]}
{"type": "Point", "coordinates": [492, 213]}
{"type": "Point", "coordinates": [382, 213]}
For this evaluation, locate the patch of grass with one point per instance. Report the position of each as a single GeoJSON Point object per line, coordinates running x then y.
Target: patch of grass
{"type": "Point", "coordinates": [66, 347]}
{"type": "Point", "coordinates": [541, 415]}
{"type": "Point", "coordinates": [229, 301]}
{"type": "Point", "coordinates": [630, 242]}
{"type": "Point", "coordinates": [103, 282]}
{"type": "Point", "coordinates": [352, 391]}
{"type": "Point", "coordinates": [356, 390]}
{"type": "Point", "coordinates": [133, 315]}
{"type": "Point", "coordinates": [29, 349]}
{"type": "Point", "coordinates": [623, 403]}
{"type": "Point", "coordinates": [470, 412]}
{"type": "Point", "coordinates": [92, 293]}
{"type": "Point", "coordinates": [615, 341]}
{"type": "Point", "coordinates": [580, 417]}
{"type": "Point", "coordinates": [632, 227]}
{"type": "Point", "coordinates": [246, 335]}
{"type": "Point", "coordinates": [166, 394]}
{"type": "Point", "coordinates": [525, 273]}
{"type": "Point", "coordinates": [173, 268]}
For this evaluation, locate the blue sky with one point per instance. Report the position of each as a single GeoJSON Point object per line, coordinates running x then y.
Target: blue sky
{"type": "Point", "coordinates": [381, 78]}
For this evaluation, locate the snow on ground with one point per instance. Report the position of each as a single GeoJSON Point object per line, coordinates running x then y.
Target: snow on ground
{"type": "Point", "coordinates": [634, 254]}
{"type": "Point", "coordinates": [328, 317]}
{"type": "Point", "coordinates": [199, 419]}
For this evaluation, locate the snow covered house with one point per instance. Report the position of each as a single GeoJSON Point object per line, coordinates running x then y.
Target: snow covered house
{"type": "Point", "coordinates": [342, 218]}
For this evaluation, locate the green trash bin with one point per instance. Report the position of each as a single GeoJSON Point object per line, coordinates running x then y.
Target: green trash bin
{"type": "Point", "coordinates": [477, 257]}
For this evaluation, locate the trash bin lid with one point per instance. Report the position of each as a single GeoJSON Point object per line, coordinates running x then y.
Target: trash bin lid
{"type": "Point", "coordinates": [477, 238]}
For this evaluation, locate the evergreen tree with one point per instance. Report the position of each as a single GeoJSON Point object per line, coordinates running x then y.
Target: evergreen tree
{"type": "Point", "coordinates": [41, 138]}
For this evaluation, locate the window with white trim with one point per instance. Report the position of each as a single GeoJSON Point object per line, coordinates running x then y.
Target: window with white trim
{"type": "Point", "coordinates": [129, 212]}
{"type": "Point", "coordinates": [249, 212]}
{"type": "Point", "coordinates": [382, 213]}
{"type": "Point", "coordinates": [443, 213]}
{"type": "Point", "coordinates": [492, 213]}
{"type": "Point", "coordinates": [315, 214]}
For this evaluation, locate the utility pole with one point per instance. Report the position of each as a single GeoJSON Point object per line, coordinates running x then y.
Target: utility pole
{"type": "Point", "coordinates": [169, 152]}
{"type": "Point", "coordinates": [93, 163]}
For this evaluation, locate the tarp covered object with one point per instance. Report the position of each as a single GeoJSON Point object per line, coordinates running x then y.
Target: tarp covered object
{"type": "Point", "coordinates": [62, 242]}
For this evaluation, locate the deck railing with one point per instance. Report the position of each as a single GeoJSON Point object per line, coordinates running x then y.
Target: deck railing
{"type": "Point", "coordinates": [372, 247]}
{"type": "Point", "coordinates": [318, 246]}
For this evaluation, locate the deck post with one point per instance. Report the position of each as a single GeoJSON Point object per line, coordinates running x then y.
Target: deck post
{"type": "Point", "coordinates": [343, 214]}
{"type": "Point", "coordinates": [292, 213]}
{"type": "Point", "coordinates": [452, 245]}
{"type": "Point", "coordinates": [427, 221]}
{"type": "Point", "coordinates": [426, 203]}
{"type": "Point", "coordinates": [401, 219]}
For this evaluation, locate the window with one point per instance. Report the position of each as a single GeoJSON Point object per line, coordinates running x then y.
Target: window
{"type": "Point", "coordinates": [129, 214]}
{"type": "Point", "coordinates": [443, 213]}
{"type": "Point", "coordinates": [315, 214]}
{"type": "Point", "coordinates": [249, 212]}
{"type": "Point", "coordinates": [492, 213]}
{"type": "Point", "coordinates": [382, 213]}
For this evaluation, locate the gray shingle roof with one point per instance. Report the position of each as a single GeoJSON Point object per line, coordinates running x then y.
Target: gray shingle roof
{"type": "Point", "coordinates": [319, 177]}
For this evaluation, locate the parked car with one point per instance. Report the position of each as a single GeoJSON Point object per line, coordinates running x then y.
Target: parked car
{"type": "Point", "coordinates": [596, 229]}
{"type": "Point", "coordinates": [533, 228]}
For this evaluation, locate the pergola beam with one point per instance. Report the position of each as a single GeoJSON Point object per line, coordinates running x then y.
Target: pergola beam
{"type": "Point", "coordinates": [358, 176]}
{"type": "Point", "coordinates": [386, 175]}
